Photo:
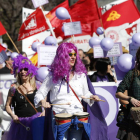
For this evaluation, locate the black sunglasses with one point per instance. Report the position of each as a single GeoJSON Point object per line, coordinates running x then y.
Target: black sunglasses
{"type": "Point", "coordinates": [25, 69]}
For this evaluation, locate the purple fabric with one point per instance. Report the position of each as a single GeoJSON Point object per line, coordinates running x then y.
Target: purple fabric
{"type": "Point", "coordinates": [18, 132]}
{"type": "Point", "coordinates": [109, 108]}
{"type": "Point", "coordinates": [102, 79]}
{"type": "Point", "coordinates": [99, 128]}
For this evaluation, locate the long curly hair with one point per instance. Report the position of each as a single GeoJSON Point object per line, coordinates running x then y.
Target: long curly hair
{"type": "Point", "coordinates": [60, 67]}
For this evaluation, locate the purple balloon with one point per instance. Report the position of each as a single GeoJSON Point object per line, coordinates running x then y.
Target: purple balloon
{"type": "Point", "coordinates": [42, 72]}
{"type": "Point", "coordinates": [14, 55]}
{"type": "Point", "coordinates": [94, 41]}
{"type": "Point", "coordinates": [107, 44]}
{"type": "Point", "coordinates": [125, 62]}
{"type": "Point", "coordinates": [100, 30]}
{"type": "Point", "coordinates": [35, 45]}
{"type": "Point", "coordinates": [62, 13]}
{"type": "Point", "coordinates": [50, 40]}
{"type": "Point", "coordinates": [136, 39]}
{"type": "Point", "coordinates": [8, 53]}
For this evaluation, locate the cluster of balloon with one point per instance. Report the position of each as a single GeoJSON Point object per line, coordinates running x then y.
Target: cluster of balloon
{"type": "Point", "coordinates": [100, 30]}
{"type": "Point", "coordinates": [107, 44]}
{"type": "Point", "coordinates": [136, 39]}
{"type": "Point", "coordinates": [125, 62]}
{"type": "Point", "coordinates": [62, 13]}
{"type": "Point", "coordinates": [50, 40]}
{"type": "Point", "coordinates": [14, 55]}
{"type": "Point", "coordinates": [35, 45]}
{"type": "Point", "coordinates": [94, 41]}
{"type": "Point", "coordinates": [42, 72]}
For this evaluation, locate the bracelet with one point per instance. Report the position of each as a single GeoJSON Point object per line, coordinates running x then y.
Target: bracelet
{"type": "Point", "coordinates": [129, 100]}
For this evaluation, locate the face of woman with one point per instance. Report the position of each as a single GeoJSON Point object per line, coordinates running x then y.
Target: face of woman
{"type": "Point", "coordinates": [23, 74]}
{"type": "Point", "coordinates": [72, 59]}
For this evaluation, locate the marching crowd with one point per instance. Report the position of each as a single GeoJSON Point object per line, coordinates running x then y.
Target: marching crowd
{"type": "Point", "coordinates": [66, 97]}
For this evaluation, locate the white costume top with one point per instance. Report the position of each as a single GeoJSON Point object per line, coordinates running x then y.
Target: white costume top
{"type": "Point", "coordinates": [79, 85]}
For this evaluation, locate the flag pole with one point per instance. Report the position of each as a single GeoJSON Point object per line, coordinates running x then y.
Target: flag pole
{"type": "Point", "coordinates": [48, 22]}
{"type": "Point", "coordinates": [100, 16]}
{"type": "Point", "coordinates": [12, 42]}
{"type": "Point", "coordinates": [9, 50]}
{"type": "Point", "coordinates": [72, 36]}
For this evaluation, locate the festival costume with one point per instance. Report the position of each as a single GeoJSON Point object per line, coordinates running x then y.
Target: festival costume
{"type": "Point", "coordinates": [80, 86]}
{"type": "Point", "coordinates": [26, 114]}
{"type": "Point", "coordinates": [22, 108]}
{"type": "Point", "coordinates": [131, 83]}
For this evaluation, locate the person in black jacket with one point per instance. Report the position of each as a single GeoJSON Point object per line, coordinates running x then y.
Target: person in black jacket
{"type": "Point", "coordinates": [102, 74]}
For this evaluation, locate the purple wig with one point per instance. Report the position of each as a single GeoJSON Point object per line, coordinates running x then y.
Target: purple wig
{"type": "Point", "coordinates": [60, 67]}
{"type": "Point", "coordinates": [21, 62]}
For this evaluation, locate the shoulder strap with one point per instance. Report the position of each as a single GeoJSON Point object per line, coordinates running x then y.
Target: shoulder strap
{"type": "Point", "coordinates": [76, 96]}
{"type": "Point", "coordinates": [27, 99]}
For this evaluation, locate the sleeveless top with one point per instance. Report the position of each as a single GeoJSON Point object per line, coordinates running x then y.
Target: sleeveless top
{"type": "Point", "coordinates": [22, 107]}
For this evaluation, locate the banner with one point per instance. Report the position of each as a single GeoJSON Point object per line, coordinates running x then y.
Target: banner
{"type": "Point", "coordinates": [106, 91]}
{"type": "Point", "coordinates": [26, 43]}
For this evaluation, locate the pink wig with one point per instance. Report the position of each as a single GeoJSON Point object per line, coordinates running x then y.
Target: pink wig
{"type": "Point", "coordinates": [60, 67]}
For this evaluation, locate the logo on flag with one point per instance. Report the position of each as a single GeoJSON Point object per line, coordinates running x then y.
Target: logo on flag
{"type": "Point", "coordinates": [132, 30]}
{"type": "Point", "coordinates": [32, 23]}
{"type": "Point", "coordinates": [113, 35]}
{"type": "Point", "coordinates": [113, 16]}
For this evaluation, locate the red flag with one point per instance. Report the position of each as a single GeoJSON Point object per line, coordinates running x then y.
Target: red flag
{"type": "Point", "coordinates": [2, 29]}
{"type": "Point", "coordinates": [34, 24]}
{"type": "Point", "coordinates": [2, 48]}
{"type": "Point", "coordinates": [125, 12]}
{"type": "Point", "coordinates": [55, 22]}
{"type": "Point", "coordinates": [87, 29]}
{"type": "Point", "coordinates": [85, 11]}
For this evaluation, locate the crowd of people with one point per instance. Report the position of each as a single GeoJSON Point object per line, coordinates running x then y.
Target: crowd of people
{"type": "Point", "coordinates": [67, 91]}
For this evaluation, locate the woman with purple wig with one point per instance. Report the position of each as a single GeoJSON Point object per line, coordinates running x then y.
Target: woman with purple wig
{"type": "Point", "coordinates": [21, 91]}
{"type": "Point", "coordinates": [66, 70]}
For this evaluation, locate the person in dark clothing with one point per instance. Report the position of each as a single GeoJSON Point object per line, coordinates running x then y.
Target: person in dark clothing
{"type": "Point", "coordinates": [21, 97]}
{"type": "Point", "coordinates": [8, 67]}
{"type": "Point", "coordinates": [102, 74]}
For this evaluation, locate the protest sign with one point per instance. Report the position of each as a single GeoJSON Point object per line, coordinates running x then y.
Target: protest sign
{"type": "Point", "coordinates": [46, 54]}
{"type": "Point", "coordinates": [72, 28]}
{"type": "Point", "coordinates": [113, 60]}
{"type": "Point", "coordinates": [3, 56]}
{"type": "Point", "coordinates": [38, 3]}
{"type": "Point", "coordinates": [115, 51]}
{"type": "Point", "coordinates": [132, 48]}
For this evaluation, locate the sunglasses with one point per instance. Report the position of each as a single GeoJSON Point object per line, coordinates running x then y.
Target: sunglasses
{"type": "Point", "coordinates": [71, 54]}
{"type": "Point", "coordinates": [25, 69]}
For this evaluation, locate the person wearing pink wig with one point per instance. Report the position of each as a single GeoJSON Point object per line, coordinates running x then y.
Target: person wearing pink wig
{"type": "Point", "coordinates": [66, 70]}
